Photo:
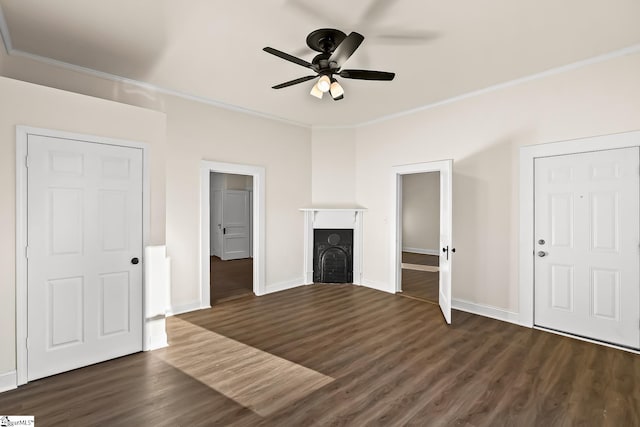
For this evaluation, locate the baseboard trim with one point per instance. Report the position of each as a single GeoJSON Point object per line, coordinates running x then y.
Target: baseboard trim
{"type": "Point", "coordinates": [8, 381]}
{"type": "Point", "coordinates": [585, 339]}
{"type": "Point", "coordinates": [155, 333]}
{"type": "Point", "coordinates": [378, 286]}
{"type": "Point", "coordinates": [184, 308]}
{"type": "Point", "coordinates": [487, 311]}
{"type": "Point", "coordinates": [422, 251]}
{"type": "Point", "coordinates": [283, 286]}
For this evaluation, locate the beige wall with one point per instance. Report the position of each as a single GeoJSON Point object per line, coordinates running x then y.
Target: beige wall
{"type": "Point", "coordinates": [337, 167]}
{"type": "Point", "coordinates": [198, 132]}
{"type": "Point", "coordinates": [333, 167]}
{"type": "Point", "coordinates": [27, 104]}
{"type": "Point", "coordinates": [483, 135]}
{"type": "Point", "coordinates": [194, 131]}
{"type": "Point", "coordinates": [421, 212]}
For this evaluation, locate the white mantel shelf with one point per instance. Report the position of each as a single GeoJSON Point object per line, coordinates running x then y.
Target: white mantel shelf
{"type": "Point", "coordinates": [333, 217]}
{"type": "Point", "coordinates": [334, 209]}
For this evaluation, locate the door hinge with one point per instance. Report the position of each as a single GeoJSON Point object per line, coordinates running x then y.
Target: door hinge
{"type": "Point", "coordinates": [27, 343]}
{"type": "Point", "coordinates": [26, 161]}
{"type": "Point", "coordinates": [26, 252]}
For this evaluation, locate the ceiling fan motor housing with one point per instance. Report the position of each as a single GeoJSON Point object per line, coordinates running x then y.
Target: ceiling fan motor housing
{"type": "Point", "coordinates": [325, 40]}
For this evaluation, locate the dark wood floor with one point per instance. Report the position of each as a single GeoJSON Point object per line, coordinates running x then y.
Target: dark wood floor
{"type": "Point", "coordinates": [344, 355]}
{"type": "Point", "coordinates": [421, 259]}
{"type": "Point", "coordinates": [230, 279]}
{"type": "Point", "coordinates": [420, 284]}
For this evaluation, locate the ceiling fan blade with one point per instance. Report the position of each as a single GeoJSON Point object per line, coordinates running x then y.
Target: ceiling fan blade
{"type": "Point", "coordinates": [293, 82]}
{"type": "Point", "coordinates": [406, 37]}
{"type": "Point", "coordinates": [317, 13]}
{"type": "Point", "coordinates": [375, 10]}
{"type": "Point", "coordinates": [288, 57]}
{"type": "Point", "coordinates": [367, 75]}
{"type": "Point", "coordinates": [345, 49]}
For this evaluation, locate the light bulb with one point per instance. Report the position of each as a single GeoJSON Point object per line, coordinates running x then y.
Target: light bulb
{"type": "Point", "coordinates": [316, 92]}
{"type": "Point", "coordinates": [337, 92]}
{"type": "Point", "coordinates": [324, 83]}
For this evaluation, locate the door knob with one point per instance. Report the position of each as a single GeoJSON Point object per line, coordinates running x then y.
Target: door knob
{"type": "Point", "coordinates": [134, 261]}
{"type": "Point", "coordinates": [447, 250]}
{"type": "Point", "coordinates": [542, 254]}
{"type": "Point", "coordinates": [541, 242]}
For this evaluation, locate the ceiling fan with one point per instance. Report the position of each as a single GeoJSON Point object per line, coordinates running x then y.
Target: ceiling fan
{"type": "Point", "coordinates": [335, 49]}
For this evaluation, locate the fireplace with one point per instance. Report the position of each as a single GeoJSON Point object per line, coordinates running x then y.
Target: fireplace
{"type": "Point", "coordinates": [333, 245]}
{"type": "Point", "coordinates": [332, 255]}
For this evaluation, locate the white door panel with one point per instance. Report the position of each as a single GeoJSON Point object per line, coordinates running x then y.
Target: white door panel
{"type": "Point", "coordinates": [216, 223]}
{"type": "Point", "coordinates": [446, 231]}
{"type": "Point", "coordinates": [236, 218]}
{"type": "Point", "coordinates": [84, 226]}
{"type": "Point", "coordinates": [587, 264]}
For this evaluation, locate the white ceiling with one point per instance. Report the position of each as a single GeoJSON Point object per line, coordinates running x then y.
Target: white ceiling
{"type": "Point", "coordinates": [213, 49]}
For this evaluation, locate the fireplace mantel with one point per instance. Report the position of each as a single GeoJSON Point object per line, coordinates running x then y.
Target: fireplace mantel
{"type": "Point", "coordinates": [333, 217]}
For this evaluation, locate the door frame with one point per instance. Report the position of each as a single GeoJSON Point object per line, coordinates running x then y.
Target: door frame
{"type": "Point", "coordinates": [528, 154]}
{"type": "Point", "coordinates": [22, 136]}
{"type": "Point", "coordinates": [396, 217]}
{"type": "Point", "coordinates": [259, 224]}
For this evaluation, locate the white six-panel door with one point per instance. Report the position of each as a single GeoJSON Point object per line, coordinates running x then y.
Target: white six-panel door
{"type": "Point", "coordinates": [587, 236]}
{"type": "Point", "coordinates": [84, 229]}
{"type": "Point", "coordinates": [236, 218]}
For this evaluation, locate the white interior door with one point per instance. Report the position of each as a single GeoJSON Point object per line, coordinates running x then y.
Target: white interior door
{"type": "Point", "coordinates": [236, 218]}
{"type": "Point", "coordinates": [84, 296]}
{"type": "Point", "coordinates": [587, 264]}
{"type": "Point", "coordinates": [446, 233]}
{"type": "Point", "coordinates": [216, 223]}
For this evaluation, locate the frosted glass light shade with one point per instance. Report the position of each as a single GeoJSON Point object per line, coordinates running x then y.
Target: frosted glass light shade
{"type": "Point", "coordinates": [337, 92]}
{"type": "Point", "coordinates": [316, 92]}
{"type": "Point", "coordinates": [324, 84]}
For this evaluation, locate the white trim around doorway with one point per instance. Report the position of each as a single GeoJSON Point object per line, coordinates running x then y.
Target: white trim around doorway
{"type": "Point", "coordinates": [397, 172]}
{"type": "Point", "coordinates": [259, 224]}
{"type": "Point", "coordinates": [526, 238]}
{"type": "Point", "coordinates": [22, 134]}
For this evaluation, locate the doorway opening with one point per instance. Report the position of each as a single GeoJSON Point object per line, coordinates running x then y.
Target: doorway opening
{"type": "Point", "coordinates": [230, 228]}
{"type": "Point", "coordinates": [445, 250]}
{"type": "Point", "coordinates": [420, 236]}
{"type": "Point", "coordinates": [253, 177]}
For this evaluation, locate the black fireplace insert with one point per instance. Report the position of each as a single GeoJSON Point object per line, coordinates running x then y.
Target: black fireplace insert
{"type": "Point", "coordinates": [332, 255]}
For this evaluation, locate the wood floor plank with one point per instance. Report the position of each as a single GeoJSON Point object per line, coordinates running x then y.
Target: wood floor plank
{"type": "Point", "coordinates": [230, 279]}
{"type": "Point", "coordinates": [420, 283]}
{"type": "Point", "coordinates": [343, 355]}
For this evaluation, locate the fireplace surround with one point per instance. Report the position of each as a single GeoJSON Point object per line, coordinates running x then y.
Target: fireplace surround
{"type": "Point", "coordinates": [337, 220]}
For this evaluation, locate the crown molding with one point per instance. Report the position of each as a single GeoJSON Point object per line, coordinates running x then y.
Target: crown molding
{"type": "Point", "coordinates": [4, 33]}
{"type": "Point", "coordinates": [6, 38]}
{"type": "Point", "coordinates": [630, 50]}
{"type": "Point", "coordinates": [153, 87]}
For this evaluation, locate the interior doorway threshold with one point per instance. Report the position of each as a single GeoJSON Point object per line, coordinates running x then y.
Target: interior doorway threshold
{"type": "Point", "coordinates": [402, 294]}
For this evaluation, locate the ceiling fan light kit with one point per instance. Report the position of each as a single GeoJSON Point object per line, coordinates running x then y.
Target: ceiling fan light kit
{"type": "Point", "coordinates": [337, 92]}
{"type": "Point", "coordinates": [324, 84]}
{"type": "Point", "coordinates": [316, 92]}
{"type": "Point", "coordinates": [335, 49]}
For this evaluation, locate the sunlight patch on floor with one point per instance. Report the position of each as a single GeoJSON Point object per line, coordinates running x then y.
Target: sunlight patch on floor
{"type": "Point", "coordinates": [251, 377]}
{"type": "Point", "coordinates": [430, 268]}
